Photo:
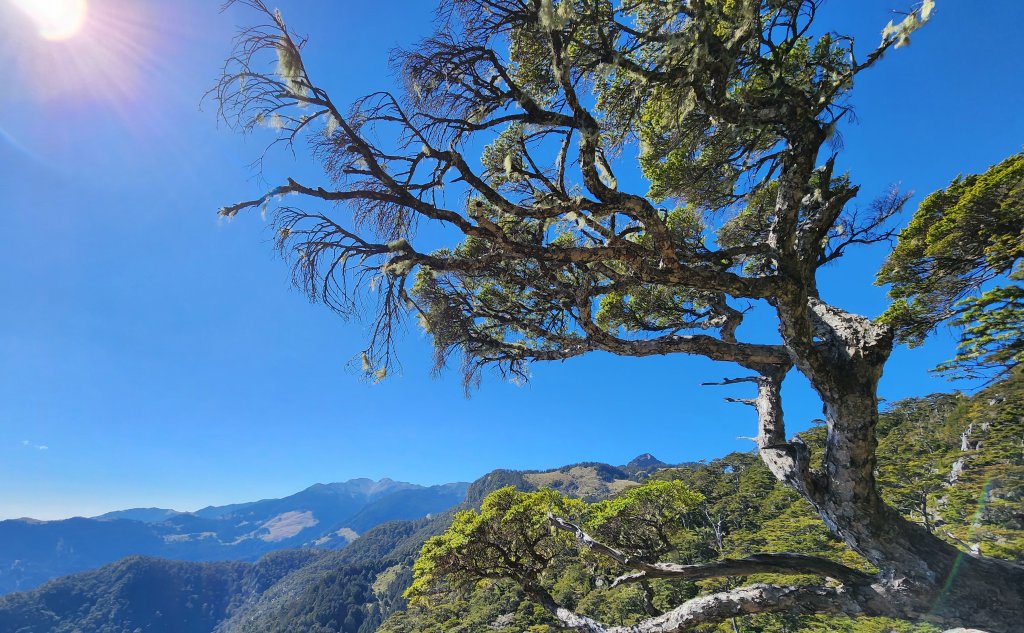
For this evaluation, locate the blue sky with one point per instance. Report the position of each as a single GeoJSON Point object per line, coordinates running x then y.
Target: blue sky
{"type": "Point", "coordinates": [154, 355]}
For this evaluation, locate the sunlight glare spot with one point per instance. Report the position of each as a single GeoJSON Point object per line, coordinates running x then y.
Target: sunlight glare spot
{"type": "Point", "coordinates": [55, 19]}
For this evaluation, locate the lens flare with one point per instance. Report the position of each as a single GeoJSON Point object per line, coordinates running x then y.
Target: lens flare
{"type": "Point", "coordinates": [975, 522]}
{"type": "Point", "coordinates": [55, 20]}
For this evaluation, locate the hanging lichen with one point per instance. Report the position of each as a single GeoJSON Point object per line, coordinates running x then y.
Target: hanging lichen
{"type": "Point", "coordinates": [289, 67]}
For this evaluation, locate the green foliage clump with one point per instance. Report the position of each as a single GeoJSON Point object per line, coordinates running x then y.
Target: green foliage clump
{"type": "Point", "coordinates": [508, 538]}
{"type": "Point", "coordinates": [645, 521]}
{"type": "Point", "coordinates": [960, 239]}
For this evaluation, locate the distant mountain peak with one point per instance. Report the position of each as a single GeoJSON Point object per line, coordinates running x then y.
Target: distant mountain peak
{"type": "Point", "coordinates": [146, 515]}
{"type": "Point", "coordinates": [645, 461]}
{"type": "Point", "coordinates": [364, 485]}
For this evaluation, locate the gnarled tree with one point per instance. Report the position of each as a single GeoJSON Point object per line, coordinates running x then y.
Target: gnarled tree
{"type": "Point", "coordinates": [732, 105]}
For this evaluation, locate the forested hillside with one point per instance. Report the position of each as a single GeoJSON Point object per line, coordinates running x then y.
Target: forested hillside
{"type": "Point", "coordinates": [950, 462]}
{"type": "Point", "coordinates": [146, 594]}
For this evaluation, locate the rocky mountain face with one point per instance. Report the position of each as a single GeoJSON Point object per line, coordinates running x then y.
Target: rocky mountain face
{"type": "Point", "coordinates": [321, 516]}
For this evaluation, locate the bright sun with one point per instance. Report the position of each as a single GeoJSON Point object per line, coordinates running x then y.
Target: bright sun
{"type": "Point", "coordinates": [55, 19]}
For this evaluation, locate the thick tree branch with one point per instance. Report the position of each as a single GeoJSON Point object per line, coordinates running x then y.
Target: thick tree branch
{"type": "Point", "coordinates": [783, 563]}
{"type": "Point", "coordinates": [748, 600]}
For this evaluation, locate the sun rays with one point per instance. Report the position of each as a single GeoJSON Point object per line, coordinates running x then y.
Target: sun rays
{"type": "Point", "coordinates": [125, 78]}
{"type": "Point", "coordinates": [82, 51]}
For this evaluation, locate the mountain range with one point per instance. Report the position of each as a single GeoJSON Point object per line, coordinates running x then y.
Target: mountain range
{"type": "Point", "coordinates": [308, 590]}
{"type": "Point", "coordinates": [327, 516]}
{"type": "Point", "coordinates": [952, 448]}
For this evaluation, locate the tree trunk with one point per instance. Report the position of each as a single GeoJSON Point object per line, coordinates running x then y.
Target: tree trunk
{"type": "Point", "coordinates": [920, 575]}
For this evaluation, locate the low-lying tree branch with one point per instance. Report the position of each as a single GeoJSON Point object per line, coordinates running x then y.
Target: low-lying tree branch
{"type": "Point", "coordinates": [748, 600]}
{"type": "Point", "coordinates": [783, 563]}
